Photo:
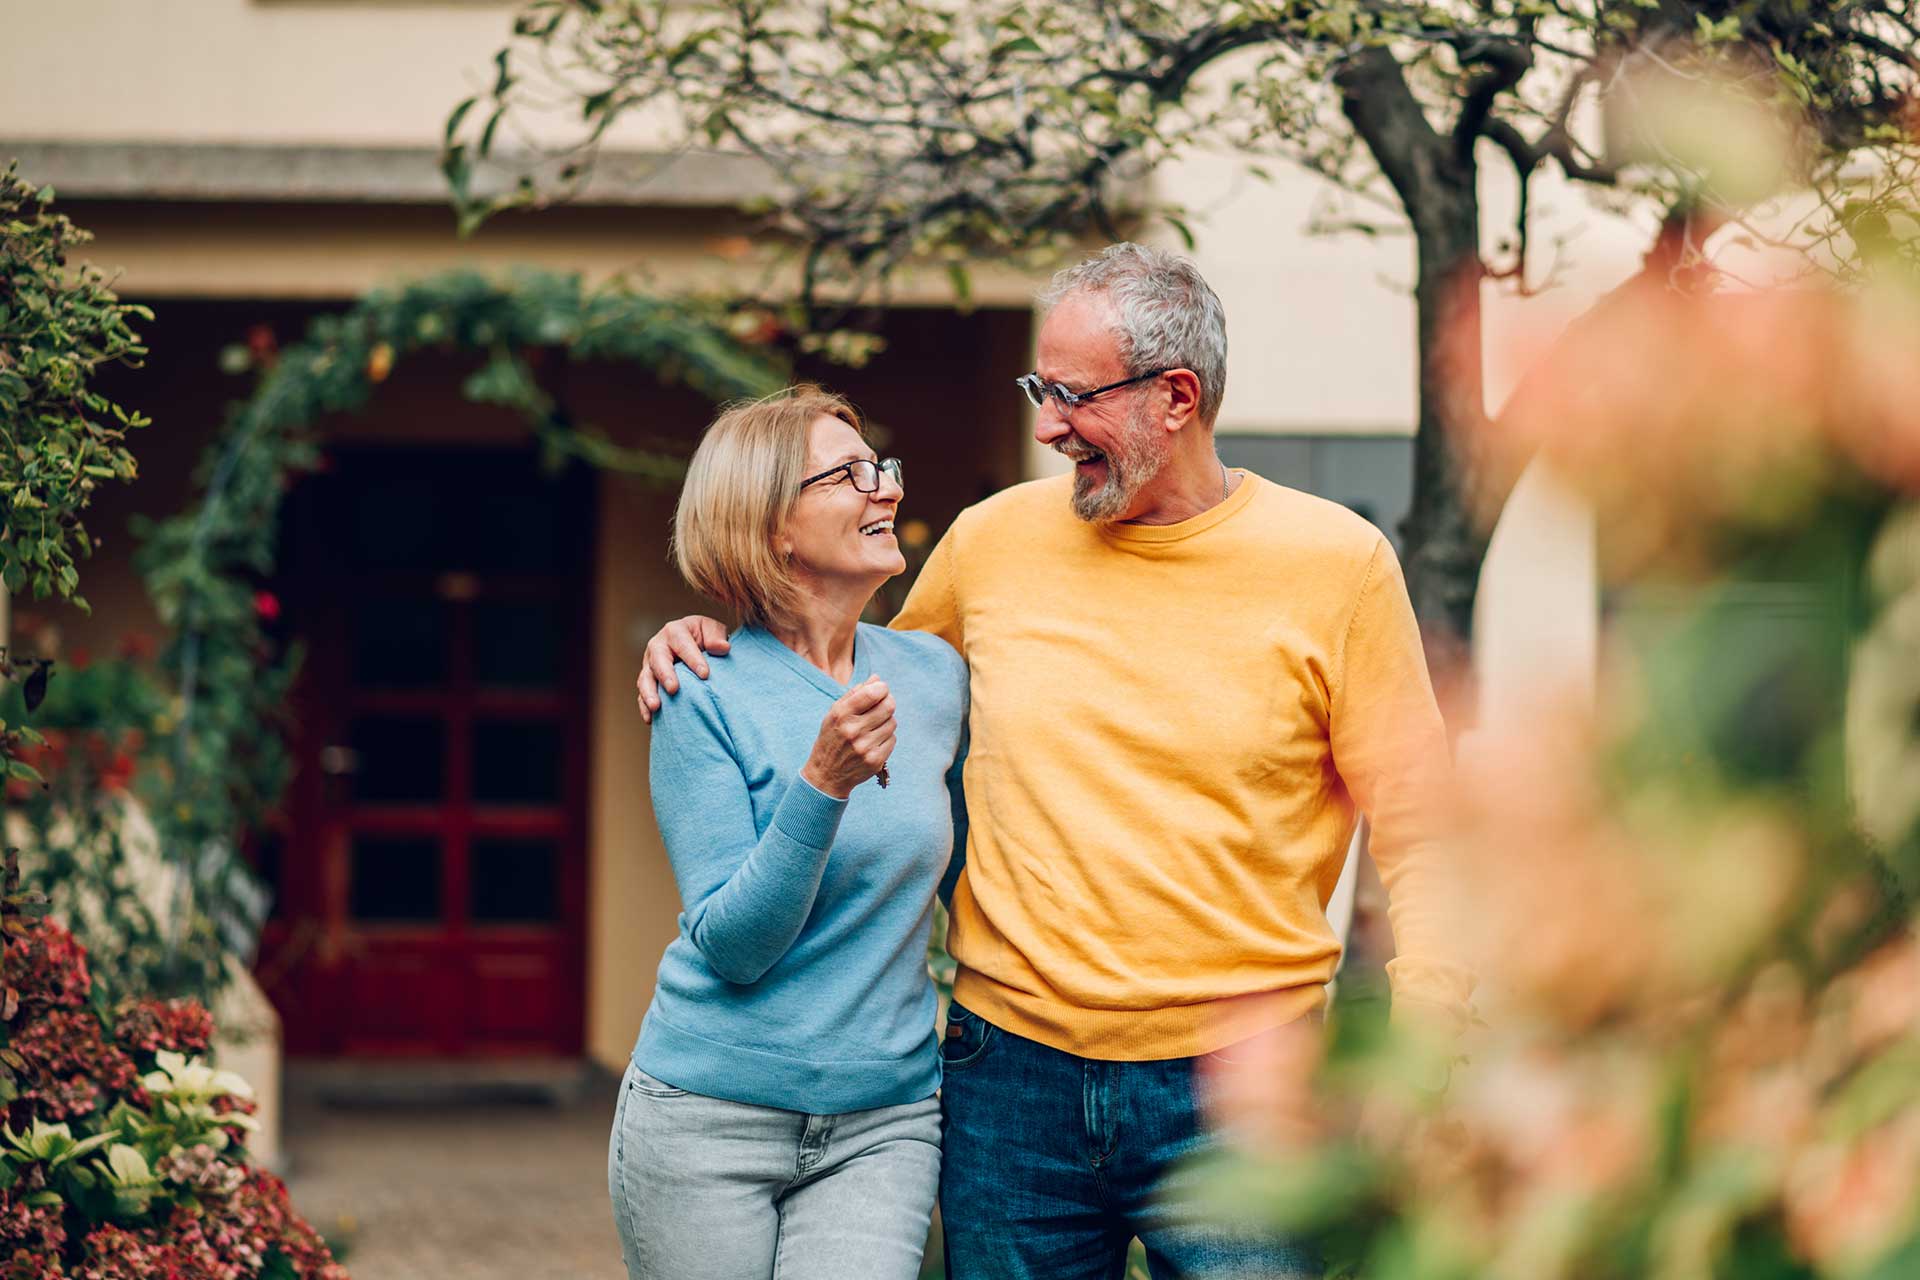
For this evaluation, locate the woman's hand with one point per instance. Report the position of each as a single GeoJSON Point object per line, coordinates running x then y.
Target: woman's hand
{"type": "Point", "coordinates": [855, 740]}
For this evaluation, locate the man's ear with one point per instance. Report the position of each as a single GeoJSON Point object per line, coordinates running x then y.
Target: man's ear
{"type": "Point", "coordinates": [1183, 398]}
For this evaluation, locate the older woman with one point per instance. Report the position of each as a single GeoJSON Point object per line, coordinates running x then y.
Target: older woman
{"type": "Point", "coordinates": [778, 1117]}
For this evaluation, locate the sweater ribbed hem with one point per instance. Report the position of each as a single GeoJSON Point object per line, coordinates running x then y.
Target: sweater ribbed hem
{"type": "Point", "coordinates": [765, 1079]}
{"type": "Point", "coordinates": [1136, 1035]}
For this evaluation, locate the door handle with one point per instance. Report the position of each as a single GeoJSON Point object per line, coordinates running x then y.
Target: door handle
{"type": "Point", "coordinates": [339, 762]}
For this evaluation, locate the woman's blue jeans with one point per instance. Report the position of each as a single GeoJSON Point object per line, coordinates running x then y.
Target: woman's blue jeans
{"type": "Point", "coordinates": [1054, 1163]}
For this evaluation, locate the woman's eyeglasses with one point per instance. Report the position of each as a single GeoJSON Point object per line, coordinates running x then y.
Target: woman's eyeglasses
{"type": "Point", "coordinates": [863, 472]}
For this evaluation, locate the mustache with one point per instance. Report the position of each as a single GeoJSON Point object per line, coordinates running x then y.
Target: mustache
{"type": "Point", "coordinates": [1075, 448]}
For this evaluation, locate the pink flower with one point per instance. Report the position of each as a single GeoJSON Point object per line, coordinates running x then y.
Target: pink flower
{"type": "Point", "coordinates": [71, 1070]}
{"type": "Point", "coordinates": [148, 1025]}
{"type": "Point", "coordinates": [47, 967]}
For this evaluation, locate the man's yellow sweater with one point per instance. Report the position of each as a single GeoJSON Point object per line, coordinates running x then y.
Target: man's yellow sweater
{"type": "Point", "coordinates": [1171, 728]}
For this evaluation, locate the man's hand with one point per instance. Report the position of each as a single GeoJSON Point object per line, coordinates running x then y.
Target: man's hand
{"type": "Point", "coordinates": [689, 640]}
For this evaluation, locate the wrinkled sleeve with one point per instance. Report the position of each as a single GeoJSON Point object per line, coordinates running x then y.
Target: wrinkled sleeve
{"type": "Point", "coordinates": [1390, 747]}
{"type": "Point", "coordinates": [745, 894]}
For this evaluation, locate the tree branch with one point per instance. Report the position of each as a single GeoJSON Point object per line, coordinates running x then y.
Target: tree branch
{"type": "Point", "coordinates": [1506, 63]}
{"type": "Point", "coordinates": [1526, 160]}
{"type": "Point", "coordinates": [1376, 99]}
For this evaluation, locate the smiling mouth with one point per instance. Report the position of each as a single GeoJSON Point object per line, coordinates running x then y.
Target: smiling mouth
{"type": "Point", "coordinates": [877, 528]}
{"type": "Point", "coordinates": [1082, 457]}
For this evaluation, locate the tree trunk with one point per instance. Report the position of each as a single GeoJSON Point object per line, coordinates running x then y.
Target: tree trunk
{"type": "Point", "coordinates": [1444, 543]}
{"type": "Point", "coordinates": [1436, 180]}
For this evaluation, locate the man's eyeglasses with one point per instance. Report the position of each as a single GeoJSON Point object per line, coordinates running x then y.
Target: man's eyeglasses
{"type": "Point", "coordinates": [1038, 389]}
{"type": "Point", "coordinates": [864, 473]}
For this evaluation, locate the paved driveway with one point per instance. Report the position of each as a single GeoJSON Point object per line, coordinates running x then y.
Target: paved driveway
{"type": "Point", "coordinates": [426, 1189]}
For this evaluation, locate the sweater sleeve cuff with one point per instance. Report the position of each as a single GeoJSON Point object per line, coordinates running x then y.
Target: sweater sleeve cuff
{"type": "Point", "coordinates": [809, 816]}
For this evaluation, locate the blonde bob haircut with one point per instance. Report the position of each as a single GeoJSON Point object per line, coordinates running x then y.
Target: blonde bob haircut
{"type": "Point", "coordinates": [741, 487]}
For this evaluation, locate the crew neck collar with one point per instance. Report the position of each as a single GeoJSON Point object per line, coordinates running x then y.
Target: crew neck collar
{"type": "Point", "coordinates": [1214, 515]}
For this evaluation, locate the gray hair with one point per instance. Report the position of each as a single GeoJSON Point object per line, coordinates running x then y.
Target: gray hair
{"type": "Point", "coordinates": [1167, 316]}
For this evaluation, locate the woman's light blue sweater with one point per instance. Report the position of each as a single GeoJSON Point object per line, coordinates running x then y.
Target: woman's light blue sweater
{"type": "Point", "coordinates": [799, 979]}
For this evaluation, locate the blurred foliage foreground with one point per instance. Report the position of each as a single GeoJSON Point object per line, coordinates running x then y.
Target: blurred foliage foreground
{"type": "Point", "coordinates": [1691, 898]}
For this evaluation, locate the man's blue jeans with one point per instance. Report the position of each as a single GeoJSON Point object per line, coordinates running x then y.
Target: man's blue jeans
{"type": "Point", "coordinates": [1053, 1163]}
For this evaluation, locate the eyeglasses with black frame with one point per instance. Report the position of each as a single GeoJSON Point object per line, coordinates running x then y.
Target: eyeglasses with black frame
{"type": "Point", "coordinates": [1038, 388]}
{"type": "Point", "coordinates": [864, 473]}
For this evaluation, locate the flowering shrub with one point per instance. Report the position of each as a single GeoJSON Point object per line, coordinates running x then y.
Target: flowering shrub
{"type": "Point", "coordinates": [123, 1152]}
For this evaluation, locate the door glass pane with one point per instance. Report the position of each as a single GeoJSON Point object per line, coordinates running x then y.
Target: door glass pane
{"type": "Point", "coordinates": [396, 878]}
{"type": "Point", "coordinates": [516, 762]}
{"type": "Point", "coordinates": [516, 645]}
{"type": "Point", "coordinates": [400, 644]}
{"type": "Point", "coordinates": [394, 523]}
{"type": "Point", "coordinates": [515, 880]}
{"type": "Point", "coordinates": [399, 760]}
{"type": "Point", "coordinates": [521, 532]}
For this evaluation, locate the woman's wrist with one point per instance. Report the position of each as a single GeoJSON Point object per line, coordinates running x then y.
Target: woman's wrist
{"type": "Point", "coordinates": [812, 777]}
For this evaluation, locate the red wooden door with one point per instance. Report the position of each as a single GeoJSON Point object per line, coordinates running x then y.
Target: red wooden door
{"type": "Point", "coordinates": [431, 873]}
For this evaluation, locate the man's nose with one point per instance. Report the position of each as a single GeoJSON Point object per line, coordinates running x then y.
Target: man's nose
{"type": "Point", "coordinates": [1049, 424]}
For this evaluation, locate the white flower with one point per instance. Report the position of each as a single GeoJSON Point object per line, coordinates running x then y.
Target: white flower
{"type": "Point", "coordinates": [189, 1079]}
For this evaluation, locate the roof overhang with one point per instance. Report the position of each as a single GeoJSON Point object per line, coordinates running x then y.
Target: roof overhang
{"type": "Point", "coordinates": [253, 172]}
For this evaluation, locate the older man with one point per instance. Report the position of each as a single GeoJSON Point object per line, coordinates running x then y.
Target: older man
{"type": "Point", "coordinates": [1186, 680]}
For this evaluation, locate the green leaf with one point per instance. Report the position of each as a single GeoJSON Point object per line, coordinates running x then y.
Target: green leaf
{"type": "Point", "coordinates": [459, 114]}
{"type": "Point", "coordinates": [486, 134]}
{"type": "Point", "coordinates": [962, 283]}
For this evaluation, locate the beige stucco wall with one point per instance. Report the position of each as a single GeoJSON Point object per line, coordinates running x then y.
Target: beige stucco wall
{"type": "Point", "coordinates": [344, 72]}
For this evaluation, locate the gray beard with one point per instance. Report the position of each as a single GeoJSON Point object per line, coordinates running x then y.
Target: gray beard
{"type": "Point", "coordinates": [1138, 457]}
